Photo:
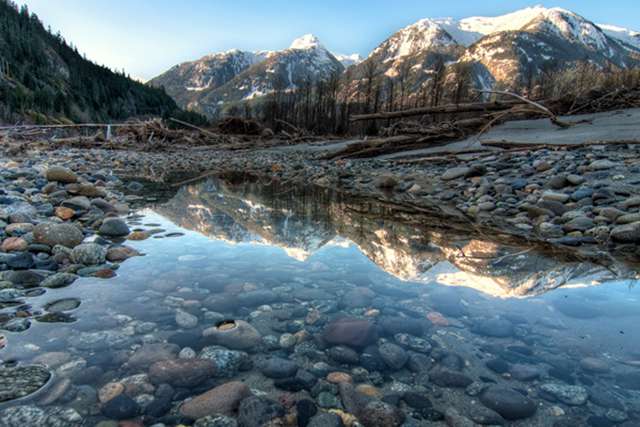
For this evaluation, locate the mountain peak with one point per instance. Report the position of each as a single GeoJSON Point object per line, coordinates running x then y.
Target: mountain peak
{"type": "Point", "coordinates": [308, 41]}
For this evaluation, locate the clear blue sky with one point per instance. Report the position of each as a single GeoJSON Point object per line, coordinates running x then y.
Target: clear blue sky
{"type": "Point", "coordinates": [145, 37]}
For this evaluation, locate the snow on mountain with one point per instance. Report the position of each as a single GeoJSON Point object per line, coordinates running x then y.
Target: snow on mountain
{"type": "Point", "coordinates": [349, 60]}
{"type": "Point", "coordinates": [629, 37]}
{"type": "Point", "coordinates": [422, 35]}
{"type": "Point", "coordinates": [308, 41]}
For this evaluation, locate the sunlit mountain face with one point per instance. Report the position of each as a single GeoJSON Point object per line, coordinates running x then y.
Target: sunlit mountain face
{"type": "Point", "coordinates": [305, 221]}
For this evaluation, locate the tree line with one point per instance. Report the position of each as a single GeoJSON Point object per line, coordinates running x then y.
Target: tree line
{"type": "Point", "coordinates": [43, 78]}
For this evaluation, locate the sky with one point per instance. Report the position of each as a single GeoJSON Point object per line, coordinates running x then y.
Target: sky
{"type": "Point", "coordinates": [147, 37]}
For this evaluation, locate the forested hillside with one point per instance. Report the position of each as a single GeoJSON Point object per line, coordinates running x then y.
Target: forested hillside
{"type": "Point", "coordinates": [44, 79]}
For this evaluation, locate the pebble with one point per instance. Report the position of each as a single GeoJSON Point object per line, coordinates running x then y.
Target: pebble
{"type": "Point", "coordinates": [224, 399]}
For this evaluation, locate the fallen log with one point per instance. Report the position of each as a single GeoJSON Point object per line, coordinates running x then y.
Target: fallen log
{"type": "Point", "coordinates": [199, 129]}
{"type": "Point", "coordinates": [440, 109]}
{"type": "Point", "coordinates": [561, 145]}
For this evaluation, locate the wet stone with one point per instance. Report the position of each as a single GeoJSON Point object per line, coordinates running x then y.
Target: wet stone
{"type": "Point", "coordinates": [182, 372]}
{"type": "Point", "coordinates": [228, 362]}
{"type": "Point", "coordinates": [22, 381]}
{"type": "Point", "coordinates": [498, 328]}
{"type": "Point", "coordinates": [507, 402]}
{"type": "Point", "coordinates": [121, 407]}
{"type": "Point", "coordinates": [275, 367]}
{"type": "Point", "coordinates": [224, 399]}
{"type": "Point", "coordinates": [257, 411]}
{"type": "Point", "coordinates": [568, 394]}
{"type": "Point", "coordinates": [448, 378]}
{"type": "Point", "coordinates": [393, 355]}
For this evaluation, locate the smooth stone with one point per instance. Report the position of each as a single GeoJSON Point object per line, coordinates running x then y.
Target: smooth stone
{"type": "Point", "coordinates": [351, 332]}
{"type": "Point", "coordinates": [381, 414]}
{"type": "Point", "coordinates": [627, 233]}
{"type": "Point", "coordinates": [60, 174]}
{"type": "Point", "coordinates": [21, 381]}
{"type": "Point", "coordinates": [186, 320]}
{"type": "Point", "coordinates": [447, 378]}
{"type": "Point", "coordinates": [276, 367]}
{"type": "Point", "coordinates": [114, 227]}
{"type": "Point", "coordinates": [224, 399]}
{"type": "Point", "coordinates": [89, 254]}
{"type": "Point", "coordinates": [568, 394]}
{"type": "Point", "coordinates": [121, 407]}
{"type": "Point", "coordinates": [53, 234]}
{"type": "Point", "coordinates": [258, 411]}
{"type": "Point", "coordinates": [228, 362]}
{"type": "Point", "coordinates": [342, 354]}
{"type": "Point", "coordinates": [236, 335]}
{"type": "Point", "coordinates": [594, 365]}
{"type": "Point", "coordinates": [393, 355]}
{"type": "Point", "coordinates": [456, 172]}
{"type": "Point", "coordinates": [507, 402]}
{"type": "Point", "coordinates": [151, 353]}
{"type": "Point", "coordinates": [182, 372]}
{"type": "Point", "coordinates": [59, 280]}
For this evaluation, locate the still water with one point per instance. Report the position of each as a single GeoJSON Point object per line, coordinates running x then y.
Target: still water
{"type": "Point", "coordinates": [327, 310]}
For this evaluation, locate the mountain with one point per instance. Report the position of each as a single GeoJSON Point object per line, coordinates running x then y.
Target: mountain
{"type": "Point", "coordinates": [349, 60]}
{"type": "Point", "coordinates": [186, 81]}
{"type": "Point", "coordinates": [44, 79]}
{"type": "Point", "coordinates": [512, 51]}
{"type": "Point", "coordinates": [505, 50]}
{"type": "Point", "coordinates": [220, 81]}
{"type": "Point", "coordinates": [628, 37]}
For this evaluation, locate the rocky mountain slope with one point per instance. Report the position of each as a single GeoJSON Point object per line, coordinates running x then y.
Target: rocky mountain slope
{"type": "Point", "coordinates": [505, 50]}
{"type": "Point", "coordinates": [222, 80]}
{"type": "Point", "coordinates": [44, 79]}
{"type": "Point", "coordinates": [509, 51]}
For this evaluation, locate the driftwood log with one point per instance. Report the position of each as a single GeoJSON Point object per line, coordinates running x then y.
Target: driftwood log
{"type": "Point", "coordinates": [476, 107]}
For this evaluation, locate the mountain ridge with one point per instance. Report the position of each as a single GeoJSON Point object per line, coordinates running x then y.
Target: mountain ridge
{"type": "Point", "coordinates": [504, 50]}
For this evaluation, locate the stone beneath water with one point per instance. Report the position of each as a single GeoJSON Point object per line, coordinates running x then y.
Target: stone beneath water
{"type": "Point", "coordinates": [21, 381]}
{"type": "Point", "coordinates": [182, 372]}
{"type": "Point", "coordinates": [258, 411]}
{"type": "Point", "coordinates": [59, 280]}
{"type": "Point", "coordinates": [235, 335]}
{"type": "Point", "coordinates": [568, 394]}
{"type": "Point", "coordinates": [507, 402]}
{"type": "Point", "coordinates": [224, 399]}
{"type": "Point", "coordinates": [498, 328]}
{"type": "Point", "coordinates": [350, 332]}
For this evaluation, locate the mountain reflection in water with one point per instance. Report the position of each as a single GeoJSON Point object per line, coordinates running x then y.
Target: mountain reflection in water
{"type": "Point", "coordinates": [304, 221]}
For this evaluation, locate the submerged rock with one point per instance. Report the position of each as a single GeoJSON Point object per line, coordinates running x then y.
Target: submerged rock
{"type": "Point", "coordinates": [236, 335]}
{"type": "Point", "coordinates": [182, 372]}
{"type": "Point", "coordinates": [224, 399]}
{"type": "Point", "coordinates": [568, 394]}
{"type": "Point", "coordinates": [21, 381]}
{"type": "Point", "coordinates": [507, 402]}
{"type": "Point", "coordinates": [350, 332]}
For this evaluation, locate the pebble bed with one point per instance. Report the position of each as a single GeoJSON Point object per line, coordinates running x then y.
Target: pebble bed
{"type": "Point", "coordinates": [312, 346]}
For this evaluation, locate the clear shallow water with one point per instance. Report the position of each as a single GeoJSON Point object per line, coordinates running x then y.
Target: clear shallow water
{"type": "Point", "coordinates": [273, 256]}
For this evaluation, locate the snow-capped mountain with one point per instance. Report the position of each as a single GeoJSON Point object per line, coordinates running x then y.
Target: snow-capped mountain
{"type": "Point", "coordinates": [628, 37]}
{"type": "Point", "coordinates": [185, 82]}
{"type": "Point", "coordinates": [217, 81]}
{"type": "Point", "coordinates": [349, 60]}
{"type": "Point", "coordinates": [506, 49]}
